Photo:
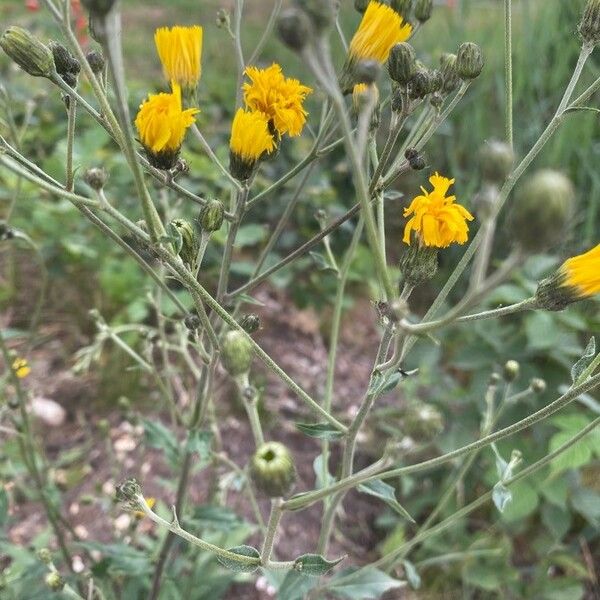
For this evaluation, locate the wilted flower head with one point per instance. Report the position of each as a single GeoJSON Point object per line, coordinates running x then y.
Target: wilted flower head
{"type": "Point", "coordinates": [162, 123]}
{"type": "Point", "coordinates": [278, 97]}
{"type": "Point", "coordinates": [180, 52]}
{"type": "Point", "coordinates": [436, 218]}
{"type": "Point", "coordinates": [250, 140]}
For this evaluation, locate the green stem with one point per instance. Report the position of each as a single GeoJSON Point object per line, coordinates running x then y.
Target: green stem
{"type": "Point", "coordinates": [272, 525]}
{"type": "Point", "coordinates": [508, 62]}
{"type": "Point", "coordinates": [72, 111]}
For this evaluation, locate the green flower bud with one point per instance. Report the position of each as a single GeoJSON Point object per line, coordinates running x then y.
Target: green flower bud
{"type": "Point", "coordinates": [236, 353]}
{"type": "Point", "coordinates": [366, 71]}
{"type": "Point", "coordinates": [64, 61]}
{"type": "Point", "coordinates": [98, 7]}
{"type": "Point", "coordinates": [223, 19]}
{"type": "Point", "coordinates": [402, 63]}
{"type": "Point", "coordinates": [423, 10]}
{"type": "Point", "coordinates": [496, 159]}
{"type": "Point", "coordinates": [415, 159]}
{"type": "Point", "coordinates": [589, 28]}
{"type": "Point", "coordinates": [449, 75]}
{"type": "Point", "coordinates": [55, 581]}
{"type": "Point", "coordinates": [422, 83]}
{"type": "Point", "coordinates": [542, 209]}
{"type": "Point", "coordinates": [190, 243]}
{"type": "Point", "coordinates": [294, 29]}
{"type": "Point", "coordinates": [129, 493]}
{"type": "Point", "coordinates": [421, 421]}
{"type": "Point", "coordinates": [320, 12]}
{"type": "Point", "coordinates": [44, 555]}
{"type": "Point", "coordinates": [272, 470]}
{"type": "Point", "coordinates": [469, 61]}
{"type": "Point", "coordinates": [511, 370]}
{"type": "Point", "coordinates": [402, 7]}
{"type": "Point", "coordinates": [28, 52]}
{"type": "Point", "coordinates": [537, 385]}
{"type": "Point", "coordinates": [96, 61]}
{"type": "Point", "coordinates": [211, 216]}
{"type": "Point", "coordinates": [192, 321]}
{"type": "Point", "coordinates": [494, 379]}
{"type": "Point", "coordinates": [95, 177]}
{"type": "Point", "coordinates": [250, 323]}
{"type": "Point", "coordinates": [418, 263]}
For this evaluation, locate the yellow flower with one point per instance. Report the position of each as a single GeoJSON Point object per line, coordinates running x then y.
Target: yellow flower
{"type": "Point", "coordinates": [161, 123]}
{"type": "Point", "coordinates": [582, 273]}
{"type": "Point", "coordinates": [250, 140]}
{"type": "Point", "coordinates": [436, 219]}
{"type": "Point", "coordinates": [140, 514]}
{"type": "Point", "coordinates": [21, 368]}
{"type": "Point", "coordinates": [278, 97]}
{"type": "Point", "coordinates": [180, 52]}
{"type": "Point", "coordinates": [380, 29]}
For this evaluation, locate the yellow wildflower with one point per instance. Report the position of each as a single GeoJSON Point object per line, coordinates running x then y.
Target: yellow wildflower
{"type": "Point", "coordinates": [161, 123]}
{"type": "Point", "coordinates": [278, 97]}
{"type": "Point", "coordinates": [21, 368]}
{"type": "Point", "coordinates": [180, 52]}
{"type": "Point", "coordinates": [436, 219]}
{"type": "Point", "coordinates": [140, 514]}
{"type": "Point", "coordinates": [250, 140]}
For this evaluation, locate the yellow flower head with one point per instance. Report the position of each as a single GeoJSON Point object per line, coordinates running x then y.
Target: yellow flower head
{"type": "Point", "coordinates": [436, 219]}
{"type": "Point", "coordinates": [380, 29]}
{"type": "Point", "coordinates": [180, 52]}
{"type": "Point", "coordinates": [582, 273]}
{"type": "Point", "coordinates": [161, 123]}
{"type": "Point", "coordinates": [21, 368]}
{"type": "Point", "coordinates": [278, 97]}
{"type": "Point", "coordinates": [250, 140]}
{"type": "Point", "coordinates": [140, 514]}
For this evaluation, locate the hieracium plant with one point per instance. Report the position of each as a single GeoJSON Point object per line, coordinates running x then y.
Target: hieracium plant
{"type": "Point", "coordinates": [380, 107]}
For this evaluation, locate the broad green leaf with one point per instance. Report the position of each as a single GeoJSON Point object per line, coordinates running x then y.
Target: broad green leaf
{"type": "Point", "coordinates": [556, 520]}
{"type": "Point", "coordinates": [587, 503]}
{"type": "Point", "coordinates": [250, 235]}
{"type": "Point", "coordinates": [577, 455]}
{"type": "Point", "coordinates": [241, 567]}
{"type": "Point", "coordinates": [323, 431]}
{"type": "Point", "coordinates": [586, 359]}
{"type": "Point", "coordinates": [200, 441]}
{"type": "Point", "coordinates": [296, 586]}
{"type": "Point", "coordinates": [158, 436]}
{"type": "Point", "coordinates": [541, 330]}
{"type": "Point", "coordinates": [321, 261]}
{"type": "Point", "coordinates": [524, 501]}
{"type": "Point", "coordinates": [315, 564]}
{"type": "Point", "coordinates": [387, 493]}
{"type": "Point", "coordinates": [367, 584]}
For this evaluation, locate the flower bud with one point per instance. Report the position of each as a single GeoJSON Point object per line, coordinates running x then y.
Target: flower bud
{"type": "Point", "coordinates": [436, 100]}
{"type": "Point", "coordinates": [486, 201]}
{"type": "Point", "coordinates": [421, 421]}
{"type": "Point", "coordinates": [28, 52]}
{"type": "Point", "coordinates": [98, 7]}
{"type": "Point", "coordinates": [589, 28]}
{"type": "Point", "coordinates": [294, 28]}
{"type": "Point", "coordinates": [95, 177]}
{"type": "Point", "coordinates": [190, 243]}
{"type": "Point", "coordinates": [250, 323]}
{"type": "Point", "coordinates": [494, 379]}
{"type": "Point", "coordinates": [223, 19]}
{"type": "Point", "coordinates": [402, 7]}
{"type": "Point", "coordinates": [44, 555]}
{"type": "Point", "coordinates": [511, 370]}
{"type": "Point", "coordinates": [367, 71]}
{"type": "Point", "coordinates": [469, 61]}
{"type": "Point", "coordinates": [320, 12]}
{"type": "Point", "coordinates": [96, 61]}
{"type": "Point", "coordinates": [211, 216]}
{"type": "Point", "coordinates": [361, 5]}
{"type": "Point", "coordinates": [449, 74]}
{"type": "Point", "coordinates": [415, 159]}
{"type": "Point", "coordinates": [129, 493]}
{"type": "Point", "coordinates": [236, 353]}
{"type": "Point", "coordinates": [272, 470]}
{"type": "Point", "coordinates": [192, 321]}
{"type": "Point", "coordinates": [542, 208]}
{"type": "Point", "coordinates": [55, 581]}
{"type": "Point", "coordinates": [537, 385]}
{"type": "Point", "coordinates": [66, 64]}
{"type": "Point", "coordinates": [496, 159]}
{"type": "Point", "coordinates": [423, 10]}
{"type": "Point", "coordinates": [421, 84]}
{"type": "Point", "coordinates": [418, 263]}
{"type": "Point", "coordinates": [364, 97]}
{"type": "Point", "coordinates": [402, 63]}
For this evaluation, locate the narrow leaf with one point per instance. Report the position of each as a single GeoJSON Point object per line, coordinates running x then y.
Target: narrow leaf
{"type": "Point", "coordinates": [584, 362]}
{"type": "Point", "coordinates": [323, 431]}
{"type": "Point", "coordinates": [385, 492]}
{"type": "Point", "coordinates": [315, 564]}
{"type": "Point", "coordinates": [241, 567]}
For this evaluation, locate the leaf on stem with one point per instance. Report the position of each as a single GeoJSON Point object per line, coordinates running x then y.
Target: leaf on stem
{"type": "Point", "coordinates": [387, 493]}
{"type": "Point", "coordinates": [315, 564]}
{"type": "Point", "coordinates": [241, 567]}
{"type": "Point", "coordinates": [322, 431]}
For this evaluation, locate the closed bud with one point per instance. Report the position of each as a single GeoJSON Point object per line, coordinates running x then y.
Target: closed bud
{"type": "Point", "coordinates": [511, 370]}
{"type": "Point", "coordinates": [98, 7]}
{"type": "Point", "coordinates": [367, 71]}
{"type": "Point", "coordinates": [28, 52]}
{"type": "Point", "coordinates": [423, 10]}
{"type": "Point", "coordinates": [421, 84]}
{"type": "Point", "coordinates": [486, 201]}
{"type": "Point", "coordinates": [129, 493]}
{"type": "Point", "coordinates": [537, 385]}
{"type": "Point", "coordinates": [192, 321]}
{"type": "Point", "coordinates": [496, 159]}
{"type": "Point", "coordinates": [44, 555]}
{"type": "Point", "coordinates": [250, 323]}
{"type": "Point", "coordinates": [211, 216]}
{"type": "Point", "coordinates": [436, 100]}
{"type": "Point", "coordinates": [418, 263]}
{"type": "Point", "coordinates": [64, 61]}
{"type": "Point", "coordinates": [320, 12]}
{"type": "Point", "coordinates": [494, 379]}
{"type": "Point", "coordinates": [223, 20]}
{"type": "Point", "coordinates": [542, 209]}
{"type": "Point", "coordinates": [187, 241]}
{"type": "Point", "coordinates": [402, 7]}
{"type": "Point", "coordinates": [95, 177]}
{"type": "Point", "coordinates": [589, 28]}
{"type": "Point", "coordinates": [449, 75]}
{"type": "Point", "coordinates": [55, 581]}
{"type": "Point", "coordinates": [272, 470]}
{"type": "Point", "coordinates": [422, 421]}
{"type": "Point", "coordinates": [415, 159]}
{"type": "Point", "coordinates": [361, 5]}
{"type": "Point", "coordinates": [402, 63]}
{"type": "Point", "coordinates": [469, 61]}
{"type": "Point", "coordinates": [294, 28]}
{"type": "Point", "coordinates": [236, 353]}
{"type": "Point", "coordinates": [96, 61]}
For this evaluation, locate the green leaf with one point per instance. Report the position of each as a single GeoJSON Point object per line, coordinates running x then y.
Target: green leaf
{"type": "Point", "coordinates": [576, 456]}
{"type": "Point", "coordinates": [501, 496]}
{"type": "Point", "coordinates": [368, 584]}
{"type": "Point", "coordinates": [158, 436]}
{"type": "Point", "coordinates": [322, 263]}
{"type": "Point", "coordinates": [241, 567]}
{"type": "Point", "coordinates": [541, 331]}
{"type": "Point", "coordinates": [412, 575]}
{"type": "Point", "coordinates": [586, 359]}
{"type": "Point", "coordinates": [247, 299]}
{"type": "Point", "coordinates": [295, 586]}
{"type": "Point", "coordinates": [524, 501]}
{"type": "Point", "coordinates": [250, 235]}
{"type": "Point", "coordinates": [200, 441]}
{"type": "Point", "coordinates": [587, 503]}
{"type": "Point", "coordinates": [387, 493]}
{"type": "Point", "coordinates": [375, 383]}
{"type": "Point", "coordinates": [390, 383]}
{"type": "Point", "coordinates": [320, 474]}
{"type": "Point", "coordinates": [323, 431]}
{"type": "Point", "coordinates": [315, 564]}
